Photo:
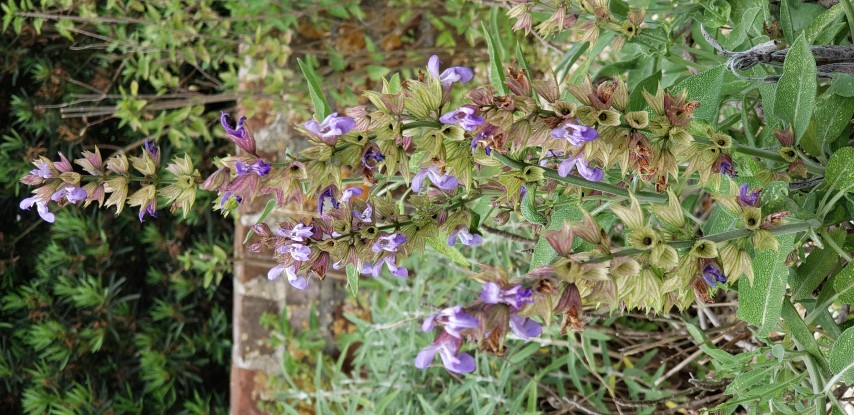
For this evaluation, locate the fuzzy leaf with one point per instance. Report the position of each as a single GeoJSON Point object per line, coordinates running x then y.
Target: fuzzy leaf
{"type": "Point", "coordinates": [440, 244]}
{"type": "Point", "coordinates": [321, 107]}
{"type": "Point", "coordinates": [760, 303]}
{"type": "Point", "coordinates": [352, 278]}
{"type": "Point", "coordinates": [844, 284]}
{"type": "Point", "coordinates": [706, 88]}
{"type": "Point", "coordinates": [832, 117]}
{"type": "Point", "coordinates": [841, 359]}
{"type": "Point", "coordinates": [496, 70]}
{"type": "Point", "coordinates": [840, 170]}
{"type": "Point", "coordinates": [822, 22]}
{"type": "Point", "coordinates": [795, 99]}
{"type": "Point", "coordinates": [815, 268]}
{"type": "Point", "coordinates": [569, 211]}
{"type": "Point", "coordinates": [842, 85]}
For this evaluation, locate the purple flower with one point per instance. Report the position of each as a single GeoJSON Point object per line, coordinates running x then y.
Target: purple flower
{"type": "Point", "coordinates": [42, 170]}
{"type": "Point", "coordinates": [442, 181]}
{"type": "Point", "coordinates": [453, 319]}
{"type": "Point", "coordinates": [747, 197]}
{"type": "Point", "coordinates": [297, 234]}
{"type": "Point", "coordinates": [72, 194]}
{"type": "Point", "coordinates": [450, 75]}
{"type": "Point", "coordinates": [388, 243]}
{"type": "Point", "coordinates": [371, 157]}
{"type": "Point", "coordinates": [41, 205]}
{"type": "Point", "coordinates": [375, 269]}
{"type": "Point", "coordinates": [225, 197]}
{"type": "Point", "coordinates": [524, 328]}
{"type": "Point", "coordinates": [150, 147]}
{"type": "Point", "coordinates": [350, 192]}
{"type": "Point", "coordinates": [584, 170]}
{"type": "Point", "coordinates": [517, 297]}
{"type": "Point", "coordinates": [296, 281]}
{"type": "Point", "coordinates": [464, 116]}
{"type": "Point", "coordinates": [364, 216]}
{"type": "Point", "coordinates": [448, 348]}
{"type": "Point", "coordinates": [712, 274]}
{"type": "Point", "coordinates": [258, 167]}
{"type": "Point", "coordinates": [150, 210]}
{"type": "Point", "coordinates": [576, 134]}
{"type": "Point", "coordinates": [326, 199]}
{"type": "Point", "coordinates": [466, 237]}
{"type": "Point", "coordinates": [522, 191]}
{"type": "Point", "coordinates": [297, 251]}
{"type": "Point", "coordinates": [238, 135]}
{"type": "Point", "coordinates": [332, 126]}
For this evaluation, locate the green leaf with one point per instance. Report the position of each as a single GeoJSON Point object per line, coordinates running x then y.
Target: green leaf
{"type": "Point", "coordinates": [706, 88]}
{"type": "Point", "coordinates": [809, 275]}
{"type": "Point", "coordinates": [524, 353]}
{"type": "Point", "coordinates": [440, 244]}
{"type": "Point", "coordinates": [841, 357]}
{"type": "Point", "coordinates": [832, 117]}
{"type": "Point", "coordinates": [528, 208]}
{"type": "Point", "coordinates": [745, 380]}
{"type": "Point", "coordinates": [822, 22]}
{"type": "Point", "coordinates": [496, 70]}
{"type": "Point", "coordinates": [321, 107]}
{"type": "Point", "coordinates": [352, 278]}
{"type": "Point", "coordinates": [804, 337]}
{"type": "Point", "coordinates": [271, 204]}
{"type": "Point", "coordinates": [761, 303]}
{"type": "Point", "coordinates": [649, 84]}
{"type": "Point", "coordinates": [568, 59]}
{"type": "Point", "coordinates": [795, 99]}
{"type": "Point", "coordinates": [842, 85]}
{"type": "Point", "coordinates": [844, 283]}
{"type": "Point", "coordinates": [840, 170]}
{"type": "Point", "coordinates": [567, 211]}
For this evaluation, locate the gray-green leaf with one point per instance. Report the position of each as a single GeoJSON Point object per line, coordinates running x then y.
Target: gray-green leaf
{"type": "Point", "coordinates": [761, 303]}
{"type": "Point", "coordinates": [352, 278]}
{"type": "Point", "coordinates": [841, 357]}
{"type": "Point", "coordinates": [795, 99]}
{"type": "Point", "coordinates": [706, 88]}
{"type": "Point", "coordinates": [840, 170]}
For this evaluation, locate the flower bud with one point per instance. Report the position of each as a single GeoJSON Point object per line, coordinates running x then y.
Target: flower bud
{"type": "Point", "coordinates": [670, 214]}
{"type": "Point", "coordinates": [637, 119]}
{"type": "Point", "coordinates": [624, 267]}
{"type": "Point", "coordinates": [262, 229]}
{"type": "Point", "coordinates": [721, 141]}
{"type": "Point", "coordinates": [644, 238]}
{"type": "Point", "coordinates": [763, 239]}
{"type": "Point", "coordinates": [320, 152]}
{"type": "Point", "coordinates": [631, 216]}
{"type": "Point", "coordinates": [561, 240]}
{"type": "Point", "coordinates": [531, 174]}
{"type": "Point", "coordinates": [752, 217]}
{"type": "Point", "coordinates": [704, 248]}
{"type": "Point", "coordinates": [664, 256]}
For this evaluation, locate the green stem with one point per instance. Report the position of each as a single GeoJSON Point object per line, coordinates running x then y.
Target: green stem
{"type": "Point", "coordinates": [835, 246]}
{"type": "Point", "coordinates": [718, 237]}
{"type": "Point", "coordinates": [849, 15]}
{"type": "Point", "coordinates": [773, 156]}
{"type": "Point", "coordinates": [581, 182]}
{"type": "Point", "coordinates": [814, 382]}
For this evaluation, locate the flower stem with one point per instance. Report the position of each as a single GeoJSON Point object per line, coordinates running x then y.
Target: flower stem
{"type": "Point", "coordinates": [718, 237]}
{"type": "Point", "coordinates": [580, 182]}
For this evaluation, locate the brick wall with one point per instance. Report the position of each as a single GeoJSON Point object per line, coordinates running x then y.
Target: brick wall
{"type": "Point", "coordinates": [253, 360]}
